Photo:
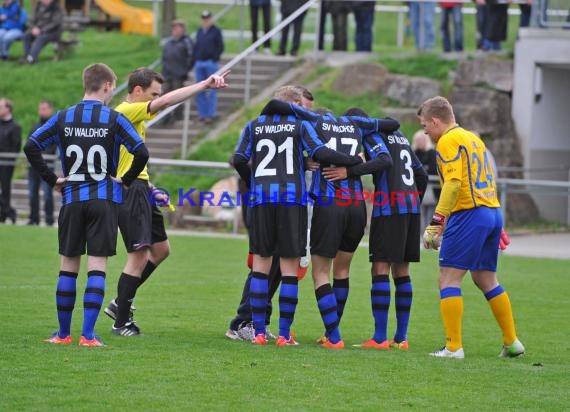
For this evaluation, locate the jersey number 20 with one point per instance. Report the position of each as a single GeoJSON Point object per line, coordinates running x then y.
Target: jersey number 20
{"type": "Point", "coordinates": [80, 157]}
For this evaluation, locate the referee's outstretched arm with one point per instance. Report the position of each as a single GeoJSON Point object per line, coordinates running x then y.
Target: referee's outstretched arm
{"type": "Point", "coordinates": [179, 95]}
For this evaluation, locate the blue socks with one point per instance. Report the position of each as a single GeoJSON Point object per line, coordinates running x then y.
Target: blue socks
{"type": "Point", "coordinates": [403, 306]}
{"type": "Point", "coordinates": [258, 291]}
{"type": "Point", "coordinates": [340, 287]}
{"type": "Point", "coordinates": [65, 301]}
{"type": "Point", "coordinates": [326, 301]}
{"type": "Point", "coordinates": [287, 304]}
{"type": "Point", "coordinates": [92, 301]}
{"type": "Point", "coordinates": [380, 297]}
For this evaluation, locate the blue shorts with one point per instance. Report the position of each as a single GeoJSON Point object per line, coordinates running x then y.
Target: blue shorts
{"type": "Point", "coordinates": [471, 239]}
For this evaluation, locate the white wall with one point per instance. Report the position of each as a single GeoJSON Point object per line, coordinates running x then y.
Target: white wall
{"type": "Point", "coordinates": [541, 110]}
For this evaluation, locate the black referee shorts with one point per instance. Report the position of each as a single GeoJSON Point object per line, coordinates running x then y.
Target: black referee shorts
{"type": "Point", "coordinates": [335, 227]}
{"type": "Point", "coordinates": [141, 222]}
{"type": "Point", "coordinates": [92, 223]}
{"type": "Point", "coordinates": [278, 228]}
{"type": "Point", "coordinates": [395, 239]}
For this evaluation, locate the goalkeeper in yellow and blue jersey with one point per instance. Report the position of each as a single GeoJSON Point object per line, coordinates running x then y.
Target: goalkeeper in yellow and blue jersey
{"type": "Point", "coordinates": [468, 226]}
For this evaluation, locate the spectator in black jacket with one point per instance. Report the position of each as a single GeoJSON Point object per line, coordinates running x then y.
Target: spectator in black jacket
{"type": "Point", "coordinates": [364, 17]}
{"type": "Point", "coordinates": [340, 10]}
{"type": "Point", "coordinates": [45, 111]}
{"type": "Point", "coordinates": [207, 53]}
{"type": "Point", "coordinates": [10, 142]}
{"type": "Point", "coordinates": [254, 7]}
{"type": "Point", "coordinates": [177, 61]}
{"type": "Point", "coordinates": [45, 27]}
{"type": "Point", "coordinates": [425, 153]}
{"type": "Point", "coordinates": [287, 8]}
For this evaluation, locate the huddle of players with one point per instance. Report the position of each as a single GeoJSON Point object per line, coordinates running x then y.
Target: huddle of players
{"type": "Point", "coordinates": [269, 156]}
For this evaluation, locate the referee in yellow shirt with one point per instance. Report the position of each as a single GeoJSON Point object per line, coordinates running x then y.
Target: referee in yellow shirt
{"type": "Point", "coordinates": [469, 211]}
{"type": "Point", "coordinates": [140, 222]}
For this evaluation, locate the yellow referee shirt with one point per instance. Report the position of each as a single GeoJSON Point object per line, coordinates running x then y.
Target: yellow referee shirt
{"type": "Point", "coordinates": [462, 155]}
{"type": "Point", "coordinates": [137, 113]}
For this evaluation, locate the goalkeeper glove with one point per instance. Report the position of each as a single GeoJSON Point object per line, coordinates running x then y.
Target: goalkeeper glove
{"type": "Point", "coordinates": [432, 234]}
{"type": "Point", "coordinates": [504, 241]}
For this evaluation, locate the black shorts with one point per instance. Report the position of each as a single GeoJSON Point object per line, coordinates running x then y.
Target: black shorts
{"type": "Point", "coordinates": [336, 227]}
{"type": "Point", "coordinates": [140, 221]}
{"type": "Point", "coordinates": [395, 239]}
{"type": "Point", "coordinates": [278, 227]}
{"type": "Point", "coordinates": [92, 223]}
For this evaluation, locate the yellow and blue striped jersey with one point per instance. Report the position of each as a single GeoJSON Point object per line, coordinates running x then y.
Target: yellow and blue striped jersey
{"type": "Point", "coordinates": [137, 113]}
{"type": "Point", "coordinates": [462, 155]}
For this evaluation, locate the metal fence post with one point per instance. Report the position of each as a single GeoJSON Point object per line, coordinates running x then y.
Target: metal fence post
{"type": "Point", "coordinates": [185, 127]}
{"type": "Point", "coordinates": [247, 85]}
{"type": "Point", "coordinates": [503, 187]}
{"type": "Point", "coordinates": [401, 28]}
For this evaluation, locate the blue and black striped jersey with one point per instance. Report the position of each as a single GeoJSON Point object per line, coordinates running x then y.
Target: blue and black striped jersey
{"type": "Point", "coordinates": [89, 136]}
{"type": "Point", "coordinates": [275, 145]}
{"type": "Point", "coordinates": [348, 135]}
{"type": "Point", "coordinates": [395, 190]}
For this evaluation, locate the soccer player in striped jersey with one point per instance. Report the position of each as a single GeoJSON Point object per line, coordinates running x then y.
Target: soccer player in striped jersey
{"type": "Point", "coordinates": [275, 145]}
{"type": "Point", "coordinates": [394, 236]}
{"type": "Point", "coordinates": [468, 213]}
{"type": "Point", "coordinates": [89, 136]}
{"type": "Point", "coordinates": [140, 222]}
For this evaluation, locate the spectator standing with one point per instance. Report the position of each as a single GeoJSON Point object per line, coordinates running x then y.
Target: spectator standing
{"type": "Point", "coordinates": [10, 142]}
{"type": "Point", "coordinates": [364, 17]}
{"type": "Point", "coordinates": [46, 25]}
{"type": "Point", "coordinates": [177, 61]}
{"type": "Point", "coordinates": [45, 111]}
{"type": "Point", "coordinates": [254, 7]}
{"type": "Point", "coordinates": [209, 48]}
{"type": "Point", "coordinates": [339, 11]}
{"type": "Point", "coordinates": [323, 22]}
{"type": "Point", "coordinates": [451, 10]}
{"type": "Point", "coordinates": [12, 21]}
{"type": "Point", "coordinates": [422, 18]}
{"type": "Point", "coordinates": [481, 16]}
{"type": "Point", "coordinates": [287, 8]}
{"type": "Point", "coordinates": [525, 13]}
{"type": "Point", "coordinates": [496, 26]}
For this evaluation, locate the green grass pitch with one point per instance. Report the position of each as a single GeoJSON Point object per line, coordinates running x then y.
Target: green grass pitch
{"type": "Point", "coordinates": [184, 362]}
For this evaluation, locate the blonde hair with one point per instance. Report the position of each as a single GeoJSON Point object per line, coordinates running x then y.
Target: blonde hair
{"type": "Point", "coordinates": [437, 107]}
{"type": "Point", "coordinates": [290, 94]}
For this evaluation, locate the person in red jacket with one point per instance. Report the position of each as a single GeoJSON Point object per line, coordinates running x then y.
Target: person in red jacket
{"type": "Point", "coordinates": [451, 9]}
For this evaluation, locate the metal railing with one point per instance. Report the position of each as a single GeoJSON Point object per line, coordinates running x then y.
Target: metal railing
{"type": "Point", "coordinates": [243, 55]}
{"type": "Point", "coordinates": [505, 186]}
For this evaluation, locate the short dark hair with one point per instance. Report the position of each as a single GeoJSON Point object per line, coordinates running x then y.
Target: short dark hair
{"type": "Point", "coordinates": [95, 75]}
{"type": "Point", "coordinates": [143, 77]}
{"type": "Point", "coordinates": [355, 111]}
{"type": "Point", "coordinates": [46, 101]}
